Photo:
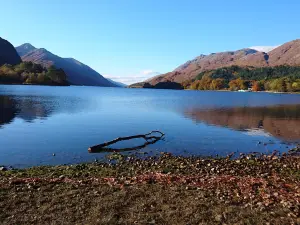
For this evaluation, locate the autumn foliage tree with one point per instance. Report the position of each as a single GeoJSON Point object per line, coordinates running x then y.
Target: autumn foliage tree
{"type": "Point", "coordinates": [205, 83]}
{"type": "Point", "coordinates": [187, 84]}
{"type": "Point", "coordinates": [233, 86]}
{"type": "Point", "coordinates": [258, 86]}
{"type": "Point", "coordinates": [217, 84]}
{"type": "Point", "coordinates": [32, 73]}
{"type": "Point", "coordinates": [195, 85]}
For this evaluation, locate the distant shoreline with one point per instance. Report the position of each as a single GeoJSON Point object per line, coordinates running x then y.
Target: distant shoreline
{"type": "Point", "coordinates": [223, 90]}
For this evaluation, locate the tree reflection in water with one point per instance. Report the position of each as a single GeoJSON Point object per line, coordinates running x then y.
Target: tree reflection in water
{"type": "Point", "coordinates": [8, 109]}
{"type": "Point", "coordinates": [30, 108]}
{"type": "Point", "coordinates": [280, 121]}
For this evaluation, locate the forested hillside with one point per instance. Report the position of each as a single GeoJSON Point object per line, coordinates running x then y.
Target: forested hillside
{"type": "Point", "coordinates": [279, 78]}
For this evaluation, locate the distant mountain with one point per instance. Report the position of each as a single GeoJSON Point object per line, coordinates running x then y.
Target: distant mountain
{"type": "Point", "coordinates": [287, 54]}
{"type": "Point", "coordinates": [77, 72]}
{"type": "Point", "coordinates": [8, 54]}
{"type": "Point", "coordinates": [119, 84]}
{"type": "Point", "coordinates": [25, 49]}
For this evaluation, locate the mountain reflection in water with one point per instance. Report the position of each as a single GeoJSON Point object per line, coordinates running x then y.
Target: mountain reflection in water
{"type": "Point", "coordinates": [280, 121]}
{"type": "Point", "coordinates": [31, 108]}
{"type": "Point", "coordinates": [8, 109]}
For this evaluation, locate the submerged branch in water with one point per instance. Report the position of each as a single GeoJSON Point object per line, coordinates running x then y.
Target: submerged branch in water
{"type": "Point", "coordinates": [149, 138]}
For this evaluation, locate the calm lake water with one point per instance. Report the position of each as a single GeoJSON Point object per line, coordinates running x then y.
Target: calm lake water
{"type": "Point", "coordinates": [37, 122]}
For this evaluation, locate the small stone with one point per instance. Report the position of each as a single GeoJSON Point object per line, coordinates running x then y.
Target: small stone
{"type": "Point", "coordinates": [259, 203]}
{"type": "Point", "coordinates": [2, 168]}
{"type": "Point", "coordinates": [262, 208]}
{"type": "Point", "coordinates": [292, 215]}
{"type": "Point", "coordinates": [264, 175]}
{"type": "Point", "coordinates": [218, 218]}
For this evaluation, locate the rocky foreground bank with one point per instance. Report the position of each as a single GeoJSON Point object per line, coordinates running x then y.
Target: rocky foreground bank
{"type": "Point", "coordinates": [249, 189]}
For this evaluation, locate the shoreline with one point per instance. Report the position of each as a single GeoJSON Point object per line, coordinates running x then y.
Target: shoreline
{"type": "Point", "coordinates": [223, 90]}
{"type": "Point", "coordinates": [271, 92]}
{"type": "Point", "coordinates": [167, 189]}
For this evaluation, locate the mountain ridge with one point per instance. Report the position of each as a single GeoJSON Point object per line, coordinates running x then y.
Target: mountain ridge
{"type": "Point", "coordinates": [286, 54]}
{"type": "Point", "coordinates": [8, 54]}
{"type": "Point", "coordinates": [77, 72]}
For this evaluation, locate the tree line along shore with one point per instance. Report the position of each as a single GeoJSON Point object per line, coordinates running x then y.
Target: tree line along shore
{"type": "Point", "coordinates": [32, 73]}
{"type": "Point", "coordinates": [275, 79]}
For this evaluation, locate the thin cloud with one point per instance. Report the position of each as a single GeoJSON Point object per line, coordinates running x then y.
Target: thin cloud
{"type": "Point", "coordinates": [149, 73]}
{"type": "Point", "coordinates": [264, 48]}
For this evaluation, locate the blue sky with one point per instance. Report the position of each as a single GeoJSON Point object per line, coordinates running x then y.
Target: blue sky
{"type": "Point", "coordinates": [130, 40]}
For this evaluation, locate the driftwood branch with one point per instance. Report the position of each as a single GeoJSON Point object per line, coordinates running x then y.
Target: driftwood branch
{"type": "Point", "coordinates": [149, 138]}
